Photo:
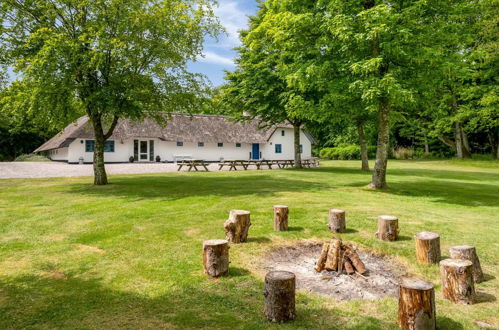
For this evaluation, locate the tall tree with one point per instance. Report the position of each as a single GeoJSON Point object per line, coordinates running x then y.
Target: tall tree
{"type": "Point", "coordinates": [259, 88]}
{"type": "Point", "coordinates": [108, 59]}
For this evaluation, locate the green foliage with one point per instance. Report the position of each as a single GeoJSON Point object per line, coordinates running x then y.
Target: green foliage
{"type": "Point", "coordinates": [108, 59]}
{"type": "Point", "coordinates": [346, 152]}
{"type": "Point", "coordinates": [31, 158]}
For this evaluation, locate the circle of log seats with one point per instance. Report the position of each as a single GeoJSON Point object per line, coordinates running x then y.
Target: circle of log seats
{"type": "Point", "coordinates": [388, 228]}
{"type": "Point", "coordinates": [427, 247]}
{"type": "Point", "coordinates": [279, 295]}
{"type": "Point", "coordinates": [281, 217]}
{"type": "Point", "coordinates": [416, 305]}
{"type": "Point", "coordinates": [237, 226]}
{"type": "Point", "coordinates": [468, 252]}
{"type": "Point", "coordinates": [457, 280]}
{"type": "Point", "coordinates": [216, 257]}
{"type": "Point", "coordinates": [337, 222]}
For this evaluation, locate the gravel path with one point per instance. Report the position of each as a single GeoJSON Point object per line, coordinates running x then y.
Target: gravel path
{"type": "Point", "coordinates": [14, 170]}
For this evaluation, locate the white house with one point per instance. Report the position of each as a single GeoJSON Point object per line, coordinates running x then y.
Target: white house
{"type": "Point", "coordinates": [207, 137]}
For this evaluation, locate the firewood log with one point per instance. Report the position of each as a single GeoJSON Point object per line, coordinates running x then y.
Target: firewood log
{"type": "Point", "coordinates": [348, 267]}
{"type": "Point", "coordinates": [333, 254]}
{"type": "Point", "coordinates": [319, 267]}
{"type": "Point", "coordinates": [354, 258]}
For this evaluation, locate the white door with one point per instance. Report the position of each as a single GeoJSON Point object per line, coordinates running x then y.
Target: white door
{"type": "Point", "coordinates": [143, 151]}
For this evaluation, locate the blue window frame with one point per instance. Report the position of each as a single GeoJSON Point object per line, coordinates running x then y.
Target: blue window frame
{"type": "Point", "coordinates": [220, 144]}
{"type": "Point", "coordinates": [180, 144]}
{"type": "Point", "coordinates": [238, 145]}
{"type": "Point", "coordinates": [278, 148]}
{"type": "Point", "coordinates": [200, 144]}
{"type": "Point", "coordinates": [90, 146]}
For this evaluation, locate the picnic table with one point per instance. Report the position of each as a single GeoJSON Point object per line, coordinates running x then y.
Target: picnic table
{"type": "Point", "coordinates": [192, 163]}
{"type": "Point", "coordinates": [283, 163]}
{"type": "Point", "coordinates": [310, 162]}
{"type": "Point", "coordinates": [260, 163]}
{"type": "Point", "coordinates": [232, 164]}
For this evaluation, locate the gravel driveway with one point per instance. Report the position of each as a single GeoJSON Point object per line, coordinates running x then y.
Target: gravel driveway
{"type": "Point", "coordinates": [11, 170]}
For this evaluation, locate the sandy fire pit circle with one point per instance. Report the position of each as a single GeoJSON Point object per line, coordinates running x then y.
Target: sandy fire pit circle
{"type": "Point", "coordinates": [381, 280]}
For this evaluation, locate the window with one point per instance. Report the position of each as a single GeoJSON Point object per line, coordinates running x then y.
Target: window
{"type": "Point", "coordinates": [180, 144]}
{"type": "Point", "coordinates": [109, 146]}
{"type": "Point", "coordinates": [151, 150]}
{"type": "Point", "coordinates": [301, 148]}
{"type": "Point", "coordinates": [278, 148]}
{"type": "Point", "coordinates": [282, 133]}
{"type": "Point", "coordinates": [90, 146]}
{"type": "Point", "coordinates": [220, 144]}
{"type": "Point", "coordinates": [200, 144]}
{"type": "Point", "coordinates": [238, 145]}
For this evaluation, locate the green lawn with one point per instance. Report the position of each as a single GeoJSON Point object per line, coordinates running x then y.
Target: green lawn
{"type": "Point", "coordinates": [128, 255]}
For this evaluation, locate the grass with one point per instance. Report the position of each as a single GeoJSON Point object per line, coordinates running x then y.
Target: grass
{"type": "Point", "coordinates": [128, 255]}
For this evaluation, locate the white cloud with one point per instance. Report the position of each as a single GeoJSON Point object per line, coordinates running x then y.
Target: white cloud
{"type": "Point", "coordinates": [211, 57]}
{"type": "Point", "coordinates": [232, 19]}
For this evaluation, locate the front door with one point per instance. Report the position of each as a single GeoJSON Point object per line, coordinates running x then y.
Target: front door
{"type": "Point", "coordinates": [143, 151]}
{"type": "Point", "coordinates": [255, 153]}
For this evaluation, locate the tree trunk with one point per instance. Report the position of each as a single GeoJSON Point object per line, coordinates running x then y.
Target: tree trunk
{"type": "Point", "coordinates": [466, 144]}
{"type": "Point", "coordinates": [379, 174]}
{"type": "Point", "coordinates": [281, 217]}
{"type": "Point", "coordinates": [468, 252]}
{"type": "Point", "coordinates": [387, 228]}
{"type": "Point", "coordinates": [462, 145]}
{"type": "Point", "coordinates": [337, 222]}
{"type": "Point", "coordinates": [237, 226]}
{"type": "Point", "coordinates": [457, 280]}
{"type": "Point", "coordinates": [279, 295]}
{"type": "Point", "coordinates": [426, 145]}
{"type": "Point", "coordinates": [363, 147]}
{"type": "Point", "coordinates": [100, 176]}
{"type": "Point", "coordinates": [494, 144]}
{"type": "Point", "coordinates": [417, 305]}
{"type": "Point", "coordinates": [296, 129]}
{"type": "Point", "coordinates": [216, 257]}
{"type": "Point", "coordinates": [427, 247]}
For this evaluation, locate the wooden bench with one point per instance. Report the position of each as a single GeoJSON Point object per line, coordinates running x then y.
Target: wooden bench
{"type": "Point", "coordinates": [192, 164]}
{"type": "Point", "coordinates": [233, 164]}
{"type": "Point", "coordinates": [260, 163]}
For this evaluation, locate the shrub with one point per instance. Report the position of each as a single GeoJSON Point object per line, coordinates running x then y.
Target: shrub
{"type": "Point", "coordinates": [31, 158]}
{"type": "Point", "coordinates": [346, 152]}
{"type": "Point", "coordinates": [158, 159]}
{"type": "Point", "coordinates": [403, 153]}
{"type": "Point", "coordinates": [131, 159]}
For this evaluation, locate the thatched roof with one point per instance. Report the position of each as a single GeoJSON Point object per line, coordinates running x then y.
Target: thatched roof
{"type": "Point", "coordinates": [180, 127]}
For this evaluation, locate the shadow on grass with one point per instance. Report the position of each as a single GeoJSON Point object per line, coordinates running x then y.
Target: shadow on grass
{"type": "Point", "coordinates": [295, 228]}
{"type": "Point", "coordinates": [446, 323]}
{"type": "Point", "coordinates": [174, 187]}
{"type": "Point", "coordinates": [482, 297]}
{"type": "Point", "coordinates": [404, 238]}
{"type": "Point", "coordinates": [440, 185]}
{"type": "Point", "coordinates": [66, 302]}
{"type": "Point", "coordinates": [260, 239]}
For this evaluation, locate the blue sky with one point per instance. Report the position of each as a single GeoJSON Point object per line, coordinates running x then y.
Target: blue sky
{"type": "Point", "coordinates": [219, 54]}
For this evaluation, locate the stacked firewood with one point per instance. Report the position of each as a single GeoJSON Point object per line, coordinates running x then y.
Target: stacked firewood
{"type": "Point", "coordinates": [338, 256]}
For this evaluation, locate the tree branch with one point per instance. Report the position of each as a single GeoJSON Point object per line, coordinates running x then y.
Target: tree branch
{"type": "Point", "coordinates": [111, 128]}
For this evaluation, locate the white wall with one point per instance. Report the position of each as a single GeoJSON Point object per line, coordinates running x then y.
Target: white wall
{"type": "Point", "coordinates": [210, 151]}
{"type": "Point", "coordinates": [122, 151]}
{"type": "Point", "coordinates": [58, 154]}
{"type": "Point", "coordinates": [167, 150]}
{"type": "Point", "coordinates": [287, 143]}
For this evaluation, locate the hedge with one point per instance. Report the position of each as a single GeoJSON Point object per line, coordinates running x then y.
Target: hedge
{"type": "Point", "coordinates": [346, 152]}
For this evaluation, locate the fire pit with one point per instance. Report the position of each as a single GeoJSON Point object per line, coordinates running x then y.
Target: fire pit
{"type": "Point", "coordinates": [381, 278]}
